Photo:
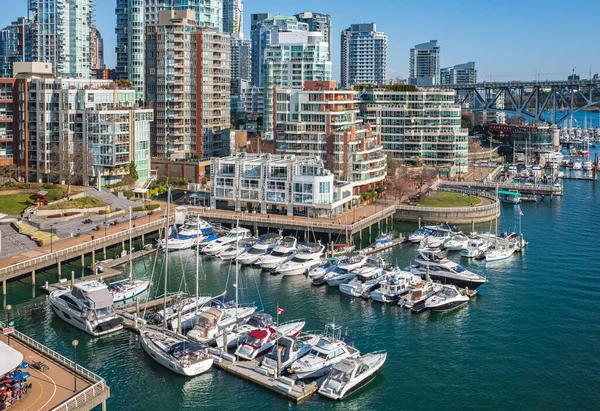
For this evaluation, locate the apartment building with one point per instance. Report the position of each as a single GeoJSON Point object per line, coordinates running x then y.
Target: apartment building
{"type": "Point", "coordinates": [277, 184]}
{"type": "Point", "coordinates": [320, 120]}
{"type": "Point", "coordinates": [424, 64]}
{"type": "Point", "coordinates": [363, 55]}
{"type": "Point", "coordinates": [419, 126]}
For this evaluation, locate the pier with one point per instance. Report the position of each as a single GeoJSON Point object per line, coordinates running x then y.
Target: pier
{"type": "Point", "coordinates": [535, 189]}
{"type": "Point", "coordinates": [63, 385]}
{"type": "Point", "coordinates": [26, 263]}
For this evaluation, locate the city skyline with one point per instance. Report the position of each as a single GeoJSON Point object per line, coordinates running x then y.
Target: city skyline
{"type": "Point", "coordinates": [518, 54]}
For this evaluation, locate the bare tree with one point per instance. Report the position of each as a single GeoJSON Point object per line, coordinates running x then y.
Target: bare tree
{"type": "Point", "coordinates": [69, 162]}
{"type": "Point", "coordinates": [400, 183]}
{"type": "Point", "coordinates": [424, 177]}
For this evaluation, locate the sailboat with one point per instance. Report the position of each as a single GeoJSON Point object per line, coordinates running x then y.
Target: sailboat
{"type": "Point", "coordinates": [126, 292]}
{"type": "Point", "coordinates": [171, 350]}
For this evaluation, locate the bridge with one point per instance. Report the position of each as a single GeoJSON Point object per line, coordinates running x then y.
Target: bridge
{"type": "Point", "coordinates": [536, 100]}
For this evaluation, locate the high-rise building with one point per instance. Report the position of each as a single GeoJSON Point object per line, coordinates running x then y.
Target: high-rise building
{"type": "Point", "coordinates": [363, 55]}
{"type": "Point", "coordinates": [208, 13]}
{"type": "Point", "coordinates": [241, 57]}
{"type": "Point", "coordinates": [293, 58]}
{"type": "Point", "coordinates": [92, 127]}
{"type": "Point", "coordinates": [320, 120]}
{"type": "Point", "coordinates": [233, 16]}
{"type": "Point", "coordinates": [318, 22]}
{"type": "Point", "coordinates": [62, 32]}
{"type": "Point", "coordinates": [424, 64]}
{"type": "Point", "coordinates": [15, 45]}
{"type": "Point", "coordinates": [460, 74]}
{"type": "Point", "coordinates": [188, 84]}
{"type": "Point", "coordinates": [419, 126]}
{"type": "Point", "coordinates": [97, 50]}
{"type": "Point", "coordinates": [130, 43]}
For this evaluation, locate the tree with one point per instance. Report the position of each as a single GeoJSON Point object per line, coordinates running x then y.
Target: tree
{"type": "Point", "coordinates": [128, 181]}
{"type": "Point", "coordinates": [133, 171]}
{"type": "Point", "coordinates": [424, 177]}
{"type": "Point", "coordinates": [68, 162]}
{"type": "Point", "coordinates": [467, 119]}
{"type": "Point", "coordinates": [393, 165]}
{"type": "Point", "coordinates": [400, 183]}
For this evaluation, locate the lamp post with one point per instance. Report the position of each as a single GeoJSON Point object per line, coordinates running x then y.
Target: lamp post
{"type": "Point", "coordinates": [8, 310]}
{"type": "Point", "coordinates": [75, 343]}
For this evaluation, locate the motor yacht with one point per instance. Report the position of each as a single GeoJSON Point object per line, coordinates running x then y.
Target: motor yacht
{"type": "Point", "coordinates": [449, 298]}
{"type": "Point", "coordinates": [328, 351]}
{"type": "Point", "coordinates": [475, 248]}
{"type": "Point", "coordinates": [317, 274]}
{"type": "Point", "coordinates": [235, 336]}
{"type": "Point", "coordinates": [345, 271]}
{"type": "Point", "coordinates": [445, 271]}
{"type": "Point", "coordinates": [176, 353]}
{"type": "Point", "coordinates": [393, 286]}
{"type": "Point", "coordinates": [418, 293]}
{"type": "Point", "coordinates": [234, 250]}
{"type": "Point", "coordinates": [194, 227]}
{"type": "Point", "coordinates": [187, 236]}
{"type": "Point", "coordinates": [211, 323]}
{"type": "Point", "coordinates": [419, 235]}
{"type": "Point", "coordinates": [577, 165]}
{"type": "Point", "coordinates": [266, 243]}
{"type": "Point", "coordinates": [350, 374]}
{"type": "Point", "coordinates": [259, 342]}
{"type": "Point", "coordinates": [235, 235]}
{"type": "Point", "coordinates": [88, 306]}
{"type": "Point", "coordinates": [366, 279]}
{"type": "Point", "coordinates": [283, 252]}
{"type": "Point", "coordinates": [291, 349]}
{"type": "Point", "coordinates": [456, 243]}
{"type": "Point", "coordinates": [352, 261]}
{"type": "Point", "coordinates": [307, 258]}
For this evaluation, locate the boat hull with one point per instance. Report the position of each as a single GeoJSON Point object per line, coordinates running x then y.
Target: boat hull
{"type": "Point", "coordinates": [448, 306]}
{"type": "Point", "coordinates": [188, 371]}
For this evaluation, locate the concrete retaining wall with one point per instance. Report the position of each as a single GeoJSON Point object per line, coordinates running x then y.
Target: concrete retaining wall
{"type": "Point", "coordinates": [80, 211]}
{"type": "Point", "coordinates": [456, 215]}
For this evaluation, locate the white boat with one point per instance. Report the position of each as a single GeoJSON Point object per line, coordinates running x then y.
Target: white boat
{"type": "Point", "coordinates": [449, 298]}
{"type": "Point", "coordinates": [456, 243]}
{"type": "Point", "coordinates": [577, 165]}
{"type": "Point", "coordinates": [290, 349]}
{"type": "Point", "coordinates": [384, 240]}
{"type": "Point", "coordinates": [220, 244]}
{"type": "Point", "coordinates": [280, 254]}
{"type": "Point", "coordinates": [88, 306]}
{"type": "Point", "coordinates": [338, 276]}
{"type": "Point", "coordinates": [475, 248]}
{"type": "Point", "coordinates": [588, 165]}
{"type": "Point", "coordinates": [419, 235]}
{"type": "Point", "coordinates": [186, 237]}
{"type": "Point", "coordinates": [349, 375]}
{"type": "Point", "coordinates": [326, 266]}
{"type": "Point", "coordinates": [352, 261]}
{"type": "Point", "coordinates": [307, 258]}
{"type": "Point", "coordinates": [365, 280]}
{"type": "Point", "coordinates": [418, 293]}
{"type": "Point", "coordinates": [183, 307]}
{"type": "Point", "coordinates": [446, 272]}
{"type": "Point", "coordinates": [210, 324]}
{"type": "Point", "coordinates": [175, 353]}
{"type": "Point", "coordinates": [259, 342]}
{"type": "Point", "coordinates": [500, 252]}
{"type": "Point", "coordinates": [235, 336]}
{"type": "Point", "coordinates": [234, 250]}
{"type": "Point", "coordinates": [345, 271]}
{"type": "Point", "coordinates": [266, 243]}
{"type": "Point", "coordinates": [328, 351]}
{"type": "Point", "coordinates": [127, 292]}
{"type": "Point", "coordinates": [195, 227]}
{"type": "Point", "coordinates": [393, 286]}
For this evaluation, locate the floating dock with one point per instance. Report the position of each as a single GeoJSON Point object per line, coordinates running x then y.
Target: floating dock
{"type": "Point", "coordinates": [249, 370]}
{"type": "Point", "coordinates": [373, 249]}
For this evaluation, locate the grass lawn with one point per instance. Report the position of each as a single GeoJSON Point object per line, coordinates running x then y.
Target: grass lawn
{"type": "Point", "coordinates": [442, 199]}
{"type": "Point", "coordinates": [15, 203]}
{"type": "Point", "coordinates": [79, 203]}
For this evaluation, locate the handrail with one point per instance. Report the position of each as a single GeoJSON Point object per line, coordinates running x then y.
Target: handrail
{"type": "Point", "coordinates": [494, 185]}
{"type": "Point", "coordinates": [96, 243]}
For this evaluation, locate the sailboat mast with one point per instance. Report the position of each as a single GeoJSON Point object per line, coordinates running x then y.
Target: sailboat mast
{"type": "Point", "coordinates": [130, 248]}
{"type": "Point", "coordinates": [166, 259]}
{"type": "Point", "coordinates": [237, 267]}
{"type": "Point", "coordinates": [197, 257]}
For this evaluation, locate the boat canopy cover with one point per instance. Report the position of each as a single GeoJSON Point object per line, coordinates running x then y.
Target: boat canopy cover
{"type": "Point", "coordinates": [346, 366]}
{"type": "Point", "coordinates": [258, 334]}
{"type": "Point", "coordinates": [270, 236]}
{"type": "Point", "coordinates": [185, 348]}
{"type": "Point", "coordinates": [223, 301]}
{"type": "Point", "coordinates": [10, 359]}
{"type": "Point", "coordinates": [97, 297]}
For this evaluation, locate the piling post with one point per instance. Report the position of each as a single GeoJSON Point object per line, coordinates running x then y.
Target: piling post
{"type": "Point", "coordinates": [59, 270]}
{"type": "Point", "coordinates": [94, 258]}
{"type": "Point", "coordinates": [419, 222]}
{"type": "Point", "coordinates": [72, 279]}
{"type": "Point", "coordinates": [33, 278]}
{"type": "Point", "coordinates": [3, 287]}
{"type": "Point", "coordinates": [370, 236]}
{"type": "Point", "coordinates": [104, 252]}
{"type": "Point", "coordinates": [472, 226]}
{"type": "Point", "coordinates": [143, 240]}
{"type": "Point", "coordinates": [137, 307]}
{"type": "Point", "coordinates": [225, 340]}
{"type": "Point", "coordinates": [278, 364]}
{"type": "Point", "coordinates": [179, 322]}
{"type": "Point", "coordinates": [82, 260]}
{"type": "Point", "coordinates": [122, 244]}
{"type": "Point", "coordinates": [360, 236]}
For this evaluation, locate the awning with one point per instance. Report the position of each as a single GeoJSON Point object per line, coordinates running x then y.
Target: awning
{"type": "Point", "coordinates": [10, 359]}
{"type": "Point", "coordinates": [141, 190]}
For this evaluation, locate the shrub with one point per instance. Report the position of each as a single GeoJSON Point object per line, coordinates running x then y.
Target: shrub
{"type": "Point", "coordinates": [128, 193]}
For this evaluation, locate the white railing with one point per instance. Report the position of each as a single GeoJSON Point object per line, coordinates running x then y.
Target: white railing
{"type": "Point", "coordinates": [542, 187]}
{"type": "Point", "coordinates": [97, 388]}
{"type": "Point", "coordinates": [6, 272]}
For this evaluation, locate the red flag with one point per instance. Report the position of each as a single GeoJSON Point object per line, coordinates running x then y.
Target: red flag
{"type": "Point", "coordinates": [280, 310]}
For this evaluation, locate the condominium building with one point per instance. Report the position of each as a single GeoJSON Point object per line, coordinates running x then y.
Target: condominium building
{"type": "Point", "coordinates": [130, 47]}
{"type": "Point", "coordinates": [248, 105]}
{"type": "Point", "coordinates": [460, 74]}
{"type": "Point", "coordinates": [321, 121]}
{"type": "Point", "coordinates": [233, 16]}
{"type": "Point", "coordinates": [363, 55]}
{"type": "Point", "coordinates": [424, 64]}
{"type": "Point", "coordinates": [15, 45]}
{"type": "Point", "coordinates": [293, 58]}
{"type": "Point", "coordinates": [419, 126]}
{"type": "Point", "coordinates": [278, 184]}
{"type": "Point", "coordinates": [92, 127]}
{"type": "Point", "coordinates": [188, 84]}
{"type": "Point", "coordinates": [318, 22]}
{"type": "Point", "coordinates": [7, 118]}
{"type": "Point", "coordinates": [62, 33]}
{"type": "Point", "coordinates": [208, 13]}
{"type": "Point", "coordinates": [241, 61]}
{"type": "Point", "coordinates": [97, 50]}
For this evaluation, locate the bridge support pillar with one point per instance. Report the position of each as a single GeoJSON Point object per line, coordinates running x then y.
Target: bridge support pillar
{"type": "Point", "coordinates": [58, 265]}
{"type": "Point", "coordinates": [33, 278]}
{"type": "Point", "coordinates": [3, 287]}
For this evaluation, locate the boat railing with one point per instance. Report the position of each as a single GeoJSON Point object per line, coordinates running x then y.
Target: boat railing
{"type": "Point", "coordinates": [97, 388]}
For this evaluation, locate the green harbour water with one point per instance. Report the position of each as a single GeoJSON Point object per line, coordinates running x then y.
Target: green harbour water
{"type": "Point", "coordinates": [529, 339]}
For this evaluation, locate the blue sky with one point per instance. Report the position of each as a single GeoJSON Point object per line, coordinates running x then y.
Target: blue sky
{"type": "Point", "coordinates": [508, 40]}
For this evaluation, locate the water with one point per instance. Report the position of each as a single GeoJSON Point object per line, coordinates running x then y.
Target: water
{"type": "Point", "coordinates": [529, 339]}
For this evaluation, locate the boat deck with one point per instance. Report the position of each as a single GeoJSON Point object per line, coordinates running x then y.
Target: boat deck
{"type": "Point", "coordinates": [298, 392]}
{"type": "Point", "coordinates": [373, 249]}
